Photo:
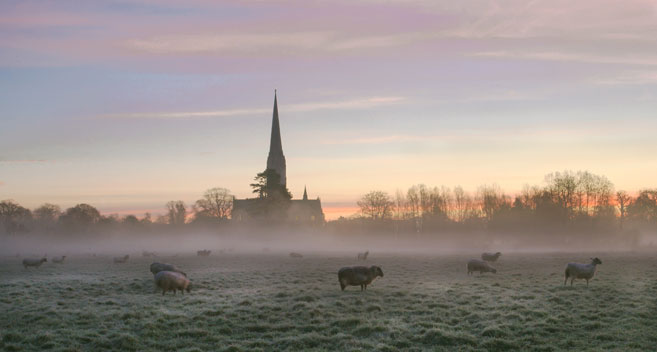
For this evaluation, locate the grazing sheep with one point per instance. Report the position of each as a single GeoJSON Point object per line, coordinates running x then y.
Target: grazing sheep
{"type": "Point", "coordinates": [148, 254]}
{"type": "Point", "coordinates": [581, 271]}
{"type": "Point", "coordinates": [33, 262]}
{"type": "Point", "coordinates": [203, 253]}
{"type": "Point", "coordinates": [157, 267]}
{"type": "Point", "coordinates": [480, 266]}
{"type": "Point", "coordinates": [363, 256]}
{"type": "Point", "coordinates": [172, 281]}
{"type": "Point", "coordinates": [59, 260]}
{"type": "Point", "coordinates": [121, 259]}
{"type": "Point", "coordinates": [490, 257]}
{"type": "Point", "coordinates": [358, 276]}
{"type": "Point", "coordinates": [296, 255]}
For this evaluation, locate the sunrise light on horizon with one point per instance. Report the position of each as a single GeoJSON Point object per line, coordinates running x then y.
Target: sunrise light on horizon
{"type": "Point", "coordinates": [126, 106]}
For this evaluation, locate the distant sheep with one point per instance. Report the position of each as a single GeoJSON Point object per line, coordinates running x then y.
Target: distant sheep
{"type": "Point", "coordinates": [480, 266]}
{"type": "Point", "coordinates": [358, 276]}
{"type": "Point", "coordinates": [203, 253]}
{"type": "Point", "coordinates": [172, 281]}
{"type": "Point", "coordinates": [59, 260]}
{"type": "Point", "coordinates": [296, 255]}
{"type": "Point", "coordinates": [34, 262]}
{"type": "Point", "coordinates": [148, 254]}
{"type": "Point", "coordinates": [123, 259]}
{"type": "Point", "coordinates": [363, 256]}
{"type": "Point", "coordinates": [581, 271]}
{"type": "Point", "coordinates": [157, 267]}
{"type": "Point", "coordinates": [490, 257]}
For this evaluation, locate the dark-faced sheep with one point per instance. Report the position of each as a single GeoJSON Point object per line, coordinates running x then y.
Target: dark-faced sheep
{"type": "Point", "coordinates": [480, 266]}
{"type": "Point", "coordinates": [123, 259]}
{"type": "Point", "coordinates": [581, 271]}
{"type": "Point", "coordinates": [172, 281]}
{"type": "Point", "coordinates": [490, 257]}
{"type": "Point", "coordinates": [203, 253]}
{"type": "Point", "coordinates": [296, 255]}
{"type": "Point", "coordinates": [157, 267]}
{"type": "Point", "coordinates": [33, 262]}
{"type": "Point", "coordinates": [363, 256]}
{"type": "Point", "coordinates": [358, 276]}
{"type": "Point", "coordinates": [59, 260]}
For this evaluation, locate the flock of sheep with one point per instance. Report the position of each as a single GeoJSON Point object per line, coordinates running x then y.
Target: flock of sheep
{"type": "Point", "coordinates": [169, 277]}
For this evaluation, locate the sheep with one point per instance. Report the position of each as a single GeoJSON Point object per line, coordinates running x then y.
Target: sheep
{"type": "Point", "coordinates": [480, 266]}
{"type": "Point", "coordinates": [581, 271]}
{"type": "Point", "coordinates": [203, 253]}
{"type": "Point", "coordinates": [59, 260]}
{"type": "Point", "coordinates": [362, 256]}
{"type": "Point", "coordinates": [296, 255]}
{"type": "Point", "coordinates": [123, 259]}
{"type": "Point", "coordinates": [148, 254]}
{"type": "Point", "coordinates": [172, 281]}
{"type": "Point", "coordinates": [157, 267]}
{"type": "Point", "coordinates": [490, 257]}
{"type": "Point", "coordinates": [358, 276]}
{"type": "Point", "coordinates": [33, 262]}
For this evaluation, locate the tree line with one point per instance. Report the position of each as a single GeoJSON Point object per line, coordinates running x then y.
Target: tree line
{"type": "Point", "coordinates": [571, 201]}
{"type": "Point", "coordinates": [212, 208]}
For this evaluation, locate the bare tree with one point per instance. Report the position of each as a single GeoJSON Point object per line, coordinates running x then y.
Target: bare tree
{"type": "Point", "coordinates": [623, 200]}
{"type": "Point", "coordinates": [377, 205]}
{"type": "Point", "coordinates": [176, 212]}
{"type": "Point", "coordinates": [216, 203]}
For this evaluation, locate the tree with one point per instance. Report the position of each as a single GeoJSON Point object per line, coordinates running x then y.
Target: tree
{"type": "Point", "coordinates": [644, 207]}
{"type": "Point", "coordinates": [216, 203]}
{"type": "Point", "coordinates": [80, 217]}
{"type": "Point", "coordinates": [268, 185]}
{"type": "Point", "coordinates": [377, 205]}
{"type": "Point", "coordinates": [623, 200]}
{"type": "Point", "coordinates": [14, 217]}
{"type": "Point", "coordinates": [47, 215]}
{"type": "Point", "coordinates": [176, 212]}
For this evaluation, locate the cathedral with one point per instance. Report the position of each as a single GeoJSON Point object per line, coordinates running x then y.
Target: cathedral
{"type": "Point", "coordinates": [301, 211]}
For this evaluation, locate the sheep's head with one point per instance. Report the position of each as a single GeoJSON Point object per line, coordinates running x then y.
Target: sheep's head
{"type": "Point", "coordinates": [376, 271]}
{"type": "Point", "coordinates": [493, 270]}
{"type": "Point", "coordinates": [498, 254]}
{"type": "Point", "coordinates": [189, 287]}
{"type": "Point", "coordinates": [596, 260]}
{"type": "Point", "coordinates": [44, 260]}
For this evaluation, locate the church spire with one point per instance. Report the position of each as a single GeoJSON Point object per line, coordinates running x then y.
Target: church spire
{"type": "Point", "coordinates": [305, 193]}
{"type": "Point", "coordinates": [276, 159]}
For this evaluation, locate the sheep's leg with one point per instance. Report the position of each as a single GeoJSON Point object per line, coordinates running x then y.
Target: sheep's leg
{"type": "Point", "coordinates": [163, 292]}
{"type": "Point", "coordinates": [571, 281]}
{"type": "Point", "coordinates": [565, 280]}
{"type": "Point", "coordinates": [362, 288]}
{"type": "Point", "coordinates": [587, 282]}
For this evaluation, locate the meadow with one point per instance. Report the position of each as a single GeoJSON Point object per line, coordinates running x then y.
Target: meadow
{"type": "Point", "coordinates": [269, 301]}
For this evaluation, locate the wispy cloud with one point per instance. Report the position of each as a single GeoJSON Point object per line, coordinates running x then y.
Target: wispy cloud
{"type": "Point", "coordinates": [571, 57]}
{"type": "Point", "coordinates": [630, 78]}
{"type": "Point", "coordinates": [283, 43]}
{"type": "Point", "coordinates": [362, 103]}
{"type": "Point", "coordinates": [24, 161]}
{"type": "Point", "coordinates": [378, 140]}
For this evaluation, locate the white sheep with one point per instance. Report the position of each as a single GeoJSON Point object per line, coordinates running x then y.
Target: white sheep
{"type": "Point", "coordinates": [490, 257]}
{"type": "Point", "coordinates": [581, 271]}
{"type": "Point", "coordinates": [480, 266]}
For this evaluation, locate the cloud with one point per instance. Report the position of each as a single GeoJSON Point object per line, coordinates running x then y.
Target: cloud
{"type": "Point", "coordinates": [379, 140]}
{"type": "Point", "coordinates": [570, 57]}
{"type": "Point", "coordinates": [259, 43]}
{"type": "Point", "coordinates": [630, 78]}
{"type": "Point", "coordinates": [362, 103]}
{"type": "Point", "coordinates": [24, 161]}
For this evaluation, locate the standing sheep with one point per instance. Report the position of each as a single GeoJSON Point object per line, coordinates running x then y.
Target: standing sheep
{"type": "Point", "coordinates": [123, 259]}
{"type": "Point", "coordinates": [203, 253]}
{"type": "Point", "coordinates": [490, 257]}
{"type": "Point", "coordinates": [172, 281]}
{"type": "Point", "coordinates": [157, 267]}
{"type": "Point", "coordinates": [480, 266]}
{"type": "Point", "coordinates": [581, 271]}
{"type": "Point", "coordinates": [358, 276]}
{"type": "Point", "coordinates": [296, 255]}
{"type": "Point", "coordinates": [34, 262]}
{"type": "Point", "coordinates": [363, 256]}
{"type": "Point", "coordinates": [59, 260]}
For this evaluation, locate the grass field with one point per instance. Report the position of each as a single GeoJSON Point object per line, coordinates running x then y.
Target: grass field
{"type": "Point", "coordinates": [273, 302]}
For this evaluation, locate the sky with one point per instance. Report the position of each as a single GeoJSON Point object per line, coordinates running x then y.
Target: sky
{"type": "Point", "coordinates": [126, 105]}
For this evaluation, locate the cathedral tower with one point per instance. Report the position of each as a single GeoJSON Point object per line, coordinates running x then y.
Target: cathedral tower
{"type": "Point", "coordinates": [276, 159]}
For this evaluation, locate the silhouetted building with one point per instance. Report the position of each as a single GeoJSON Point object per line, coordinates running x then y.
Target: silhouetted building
{"type": "Point", "coordinates": [308, 211]}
